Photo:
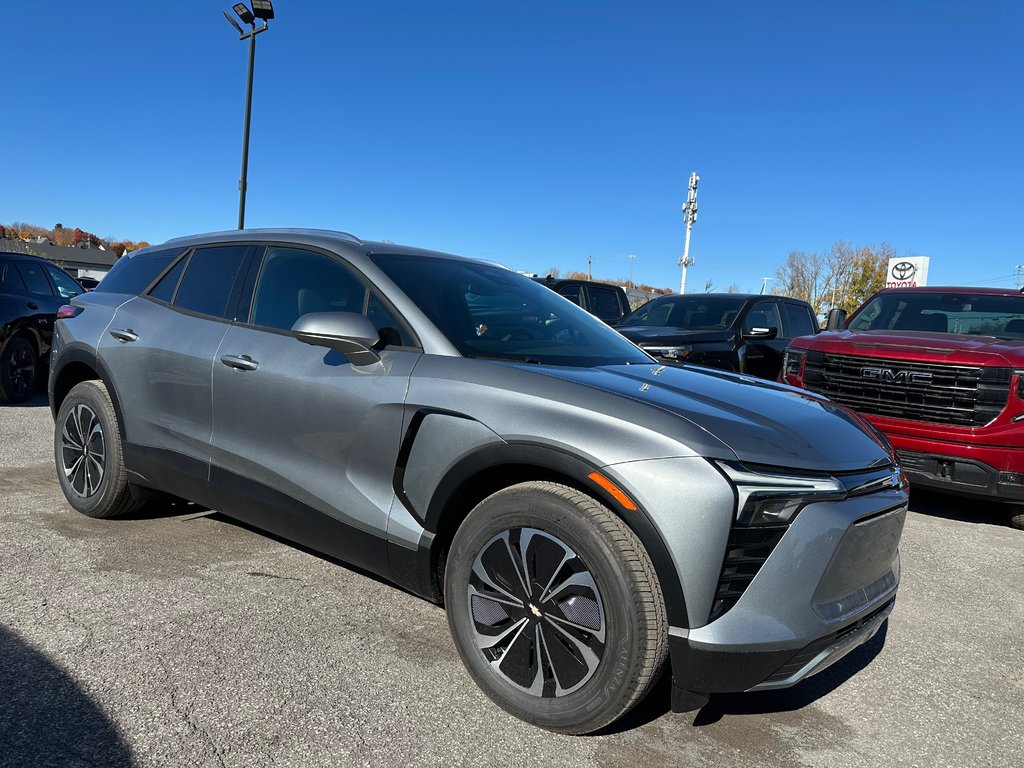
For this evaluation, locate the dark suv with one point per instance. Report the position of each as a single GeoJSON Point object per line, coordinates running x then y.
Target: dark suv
{"type": "Point", "coordinates": [583, 512]}
{"type": "Point", "coordinates": [745, 333]}
{"type": "Point", "coordinates": [31, 290]}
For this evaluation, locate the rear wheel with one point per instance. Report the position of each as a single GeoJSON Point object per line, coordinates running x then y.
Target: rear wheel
{"type": "Point", "coordinates": [555, 608]}
{"type": "Point", "coordinates": [19, 370]}
{"type": "Point", "coordinates": [87, 448]}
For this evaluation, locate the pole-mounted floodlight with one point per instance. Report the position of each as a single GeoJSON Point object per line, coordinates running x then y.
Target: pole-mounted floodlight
{"type": "Point", "coordinates": [262, 9]}
{"type": "Point", "coordinates": [233, 23]}
{"type": "Point", "coordinates": [243, 12]}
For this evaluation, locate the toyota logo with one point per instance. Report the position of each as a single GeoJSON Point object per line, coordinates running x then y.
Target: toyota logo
{"type": "Point", "coordinates": [903, 270]}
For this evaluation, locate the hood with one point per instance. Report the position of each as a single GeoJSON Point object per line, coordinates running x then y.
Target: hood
{"type": "Point", "coordinates": [760, 422]}
{"type": "Point", "coordinates": [921, 345]}
{"type": "Point", "coordinates": [667, 336]}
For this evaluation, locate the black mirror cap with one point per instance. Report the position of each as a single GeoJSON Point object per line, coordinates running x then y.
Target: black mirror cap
{"type": "Point", "coordinates": [835, 319]}
{"type": "Point", "coordinates": [352, 335]}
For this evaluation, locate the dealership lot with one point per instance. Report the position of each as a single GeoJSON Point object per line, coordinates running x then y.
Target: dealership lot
{"type": "Point", "coordinates": [180, 638]}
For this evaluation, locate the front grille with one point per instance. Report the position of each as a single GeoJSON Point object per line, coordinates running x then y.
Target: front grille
{"type": "Point", "coordinates": [747, 551]}
{"type": "Point", "coordinates": [959, 395]}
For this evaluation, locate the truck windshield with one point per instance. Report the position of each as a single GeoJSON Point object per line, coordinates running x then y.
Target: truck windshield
{"type": "Point", "coordinates": [694, 313]}
{"type": "Point", "coordinates": [973, 314]}
{"type": "Point", "coordinates": [491, 312]}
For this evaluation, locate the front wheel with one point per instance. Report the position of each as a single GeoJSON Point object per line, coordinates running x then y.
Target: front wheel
{"type": "Point", "coordinates": [555, 607]}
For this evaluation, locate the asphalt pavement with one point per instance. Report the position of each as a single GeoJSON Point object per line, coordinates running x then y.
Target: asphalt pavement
{"type": "Point", "coordinates": [178, 638]}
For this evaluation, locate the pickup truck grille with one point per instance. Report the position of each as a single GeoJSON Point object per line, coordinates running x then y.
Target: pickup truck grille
{"type": "Point", "coordinates": [959, 395]}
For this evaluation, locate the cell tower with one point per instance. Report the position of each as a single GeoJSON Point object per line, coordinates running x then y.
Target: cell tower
{"type": "Point", "coordinates": [689, 216]}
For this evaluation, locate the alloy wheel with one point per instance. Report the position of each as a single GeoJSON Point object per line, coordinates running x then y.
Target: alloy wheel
{"type": "Point", "coordinates": [537, 612]}
{"type": "Point", "coordinates": [21, 371]}
{"type": "Point", "coordinates": [83, 450]}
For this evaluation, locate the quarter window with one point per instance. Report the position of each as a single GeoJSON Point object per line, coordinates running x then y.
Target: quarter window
{"type": "Point", "coordinates": [132, 274]}
{"type": "Point", "coordinates": [10, 280]}
{"type": "Point", "coordinates": [209, 279]}
{"type": "Point", "coordinates": [164, 290]}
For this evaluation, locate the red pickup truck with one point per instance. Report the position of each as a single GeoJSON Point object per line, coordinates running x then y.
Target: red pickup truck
{"type": "Point", "coordinates": [941, 372]}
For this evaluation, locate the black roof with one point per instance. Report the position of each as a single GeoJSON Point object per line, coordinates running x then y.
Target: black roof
{"type": "Point", "coordinates": [69, 258]}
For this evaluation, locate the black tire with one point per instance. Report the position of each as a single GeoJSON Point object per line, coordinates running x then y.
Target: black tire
{"type": "Point", "coordinates": [1017, 516]}
{"type": "Point", "coordinates": [543, 676]}
{"type": "Point", "coordinates": [87, 427]}
{"type": "Point", "coordinates": [19, 370]}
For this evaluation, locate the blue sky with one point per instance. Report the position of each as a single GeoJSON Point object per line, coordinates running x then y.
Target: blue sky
{"type": "Point", "coordinates": [535, 133]}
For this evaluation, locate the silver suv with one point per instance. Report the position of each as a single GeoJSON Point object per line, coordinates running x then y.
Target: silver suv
{"type": "Point", "coordinates": [583, 512]}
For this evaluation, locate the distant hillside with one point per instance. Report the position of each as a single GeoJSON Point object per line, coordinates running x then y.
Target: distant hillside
{"type": "Point", "coordinates": [61, 235]}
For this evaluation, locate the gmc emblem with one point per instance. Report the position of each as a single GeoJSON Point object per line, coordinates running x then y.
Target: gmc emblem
{"type": "Point", "coordinates": [889, 376]}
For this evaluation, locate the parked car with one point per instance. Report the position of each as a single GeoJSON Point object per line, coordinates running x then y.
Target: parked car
{"type": "Point", "coordinates": [31, 290]}
{"type": "Point", "coordinates": [604, 300]}
{"type": "Point", "coordinates": [582, 511]}
{"type": "Point", "coordinates": [941, 372]}
{"type": "Point", "coordinates": [746, 333]}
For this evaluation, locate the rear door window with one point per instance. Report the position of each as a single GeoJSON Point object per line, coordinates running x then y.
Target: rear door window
{"type": "Point", "coordinates": [209, 281]}
{"type": "Point", "coordinates": [799, 321]}
{"type": "Point", "coordinates": [573, 293]}
{"type": "Point", "coordinates": [35, 278]}
{"type": "Point", "coordinates": [604, 302]}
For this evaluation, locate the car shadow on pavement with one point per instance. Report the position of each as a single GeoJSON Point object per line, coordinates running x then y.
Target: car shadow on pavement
{"type": "Point", "coordinates": [36, 400]}
{"type": "Point", "coordinates": [961, 508]}
{"type": "Point", "coordinates": [46, 719]}
{"type": "Point", "coordinates": [658, 702]}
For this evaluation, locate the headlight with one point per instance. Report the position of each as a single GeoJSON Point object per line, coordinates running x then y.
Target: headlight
{"type": "Point", "coordinates": [775, 498]}
{"type": "Point", "coordinates": [793, 363]}
{"type": "Point", "coordinates": [671, 353]}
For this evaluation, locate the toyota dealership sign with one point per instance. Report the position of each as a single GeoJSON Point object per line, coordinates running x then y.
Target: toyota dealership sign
{"type": "Point", "coordinates": [907, 272]}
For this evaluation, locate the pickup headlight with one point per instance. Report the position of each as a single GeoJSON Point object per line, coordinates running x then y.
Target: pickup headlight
{"type": "Point", "coordinates": [775, 497]}
{"type": "Point", "coordinates": [793, 364]}
{"type": "Point", "coordinates": [671, 353]}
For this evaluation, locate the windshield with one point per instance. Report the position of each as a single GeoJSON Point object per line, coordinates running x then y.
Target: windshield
{"type": "Point", "coordinates": [693, 313]}
{"type": "Point", "coordinates": [487, 311]}
{"type": "Point", "coordinates": [965, 313]}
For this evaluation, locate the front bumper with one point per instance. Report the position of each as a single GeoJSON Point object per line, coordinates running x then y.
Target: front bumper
{"type": "Point", "coordinates": [962, 476]}
{"type": "Point", "coordinates": [825, 589]}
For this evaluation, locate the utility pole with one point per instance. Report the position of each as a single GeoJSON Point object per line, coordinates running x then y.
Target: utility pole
{"type": "Point", "coordinates": [1019, 268]}
{"type": "Point", "coordinates": [689, 216]}
{"type": "Point", "coordinates": [764, 283]}
{"type": "Point", "coordinates": [589, 275]}
{"type": "Point", "coordinates": [632, 258]}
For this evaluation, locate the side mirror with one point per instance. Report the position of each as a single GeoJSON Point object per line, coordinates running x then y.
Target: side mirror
{"type": "Point", "coordinates": [835, 319]}
{"type": "Point", "coordinates": [766, 334]}
{"type": "Point", "coordinates": [351, 334]}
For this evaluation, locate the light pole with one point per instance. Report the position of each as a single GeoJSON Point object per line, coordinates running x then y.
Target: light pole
{"type": "Point", "coordinates": [264, 10]}
{"type": "Point", "coordinates": [764, 283]}
{"type": "Point", "coordinates": [632, 258]}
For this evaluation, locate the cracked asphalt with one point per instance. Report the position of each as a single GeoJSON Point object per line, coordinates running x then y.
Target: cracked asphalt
{"type": "Point", "coordinates": [177, 639]}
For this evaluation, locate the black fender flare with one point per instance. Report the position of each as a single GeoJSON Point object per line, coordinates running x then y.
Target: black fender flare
{"type": "Point", "coordinates": [578, 469]}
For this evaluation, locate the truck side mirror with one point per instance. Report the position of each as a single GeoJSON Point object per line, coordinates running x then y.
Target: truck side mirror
{"type": "Point", "coordinates": [835, 319]}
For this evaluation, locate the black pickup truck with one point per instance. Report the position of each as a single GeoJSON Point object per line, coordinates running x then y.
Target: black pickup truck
{"type": "Point", "coordinates": [746, 333]}
{"type": "Point", "coordinates": [603, 300]}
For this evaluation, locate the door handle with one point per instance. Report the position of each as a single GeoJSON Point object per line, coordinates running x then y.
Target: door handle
{"type": "Point", "coordinates": [124, 334]}
{"type": "Point", "coordinates": [240, 362]}
{"type": "Point", "coordinates": [32, 305]}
